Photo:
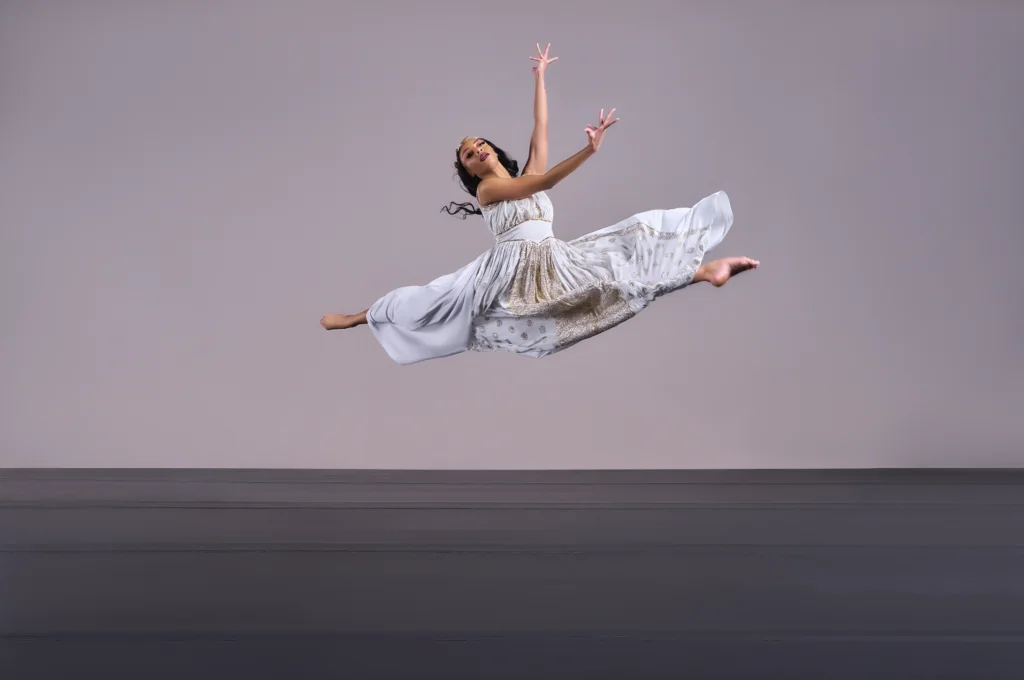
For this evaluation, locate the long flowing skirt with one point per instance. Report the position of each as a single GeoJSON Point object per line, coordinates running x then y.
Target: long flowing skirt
{"type": "Point", "coordinates": [538, 298]}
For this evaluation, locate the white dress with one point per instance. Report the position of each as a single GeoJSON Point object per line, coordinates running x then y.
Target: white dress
{"type": "Point", "coordinates": [536, 295]}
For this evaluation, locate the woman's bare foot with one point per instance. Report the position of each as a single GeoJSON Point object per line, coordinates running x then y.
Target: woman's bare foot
{"type": "Point", "coordinates": [333, 322]}
{"type": "Point", "coordinates": [717, 272]}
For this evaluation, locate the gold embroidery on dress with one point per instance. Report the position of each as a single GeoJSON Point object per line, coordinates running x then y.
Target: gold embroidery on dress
{"type": "Point", "coordinates": [579, 313]}
{"type": "Point", "coordinates": [606, 308]}
{"type": "Point", "coordinates": [534, 284]}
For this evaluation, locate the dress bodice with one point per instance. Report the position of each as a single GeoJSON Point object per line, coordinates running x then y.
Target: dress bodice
{"type": "Point", "coordinates": [504, 216]}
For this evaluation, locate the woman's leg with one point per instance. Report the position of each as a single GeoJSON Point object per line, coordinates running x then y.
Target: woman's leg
{"type": "Point", "coordinates": [717, 272]}
{"type": "Point", "coordinates": [333, 322]}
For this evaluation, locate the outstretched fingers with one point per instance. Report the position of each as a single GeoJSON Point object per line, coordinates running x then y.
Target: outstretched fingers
{"type": "Point", "coordinates": [542, 57]}
{"type": "Point", "coordinates": [604, 122]}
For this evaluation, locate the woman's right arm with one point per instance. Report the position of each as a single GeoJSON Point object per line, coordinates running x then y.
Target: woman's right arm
{"type": "Point", "coordinates": [496, 189]}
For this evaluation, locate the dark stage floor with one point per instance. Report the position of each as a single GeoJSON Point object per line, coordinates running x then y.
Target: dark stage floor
{"type": "Point", "coordinates": [414, 574]}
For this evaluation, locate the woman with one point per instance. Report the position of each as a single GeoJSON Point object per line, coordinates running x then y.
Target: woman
{"type": "Point", "coordinates": [532, 293]}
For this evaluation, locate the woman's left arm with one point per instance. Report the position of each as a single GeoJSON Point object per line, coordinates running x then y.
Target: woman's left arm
{"type": "Point", "coordinates": [537, 162]}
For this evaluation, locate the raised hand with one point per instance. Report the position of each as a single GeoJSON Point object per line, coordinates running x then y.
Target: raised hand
{"type": "Point", "coordinates": [596, 134]}
{"type": "Point", "coordinates": [542, 60]}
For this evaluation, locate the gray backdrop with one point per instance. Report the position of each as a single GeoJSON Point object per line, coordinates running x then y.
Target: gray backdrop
{"type": "Point", "coordinates": [185, 188]}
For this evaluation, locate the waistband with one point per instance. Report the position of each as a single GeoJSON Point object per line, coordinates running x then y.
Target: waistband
{"type": "Point", "coordinates": [530, 230]}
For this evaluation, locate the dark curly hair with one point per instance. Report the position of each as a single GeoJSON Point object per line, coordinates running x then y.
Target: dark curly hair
{"type": "Point", "coordinates": [470, 183]}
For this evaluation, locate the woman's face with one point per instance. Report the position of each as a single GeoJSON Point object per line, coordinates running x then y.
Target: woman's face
{"type": "Point", "coordinates": [477, 156]}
